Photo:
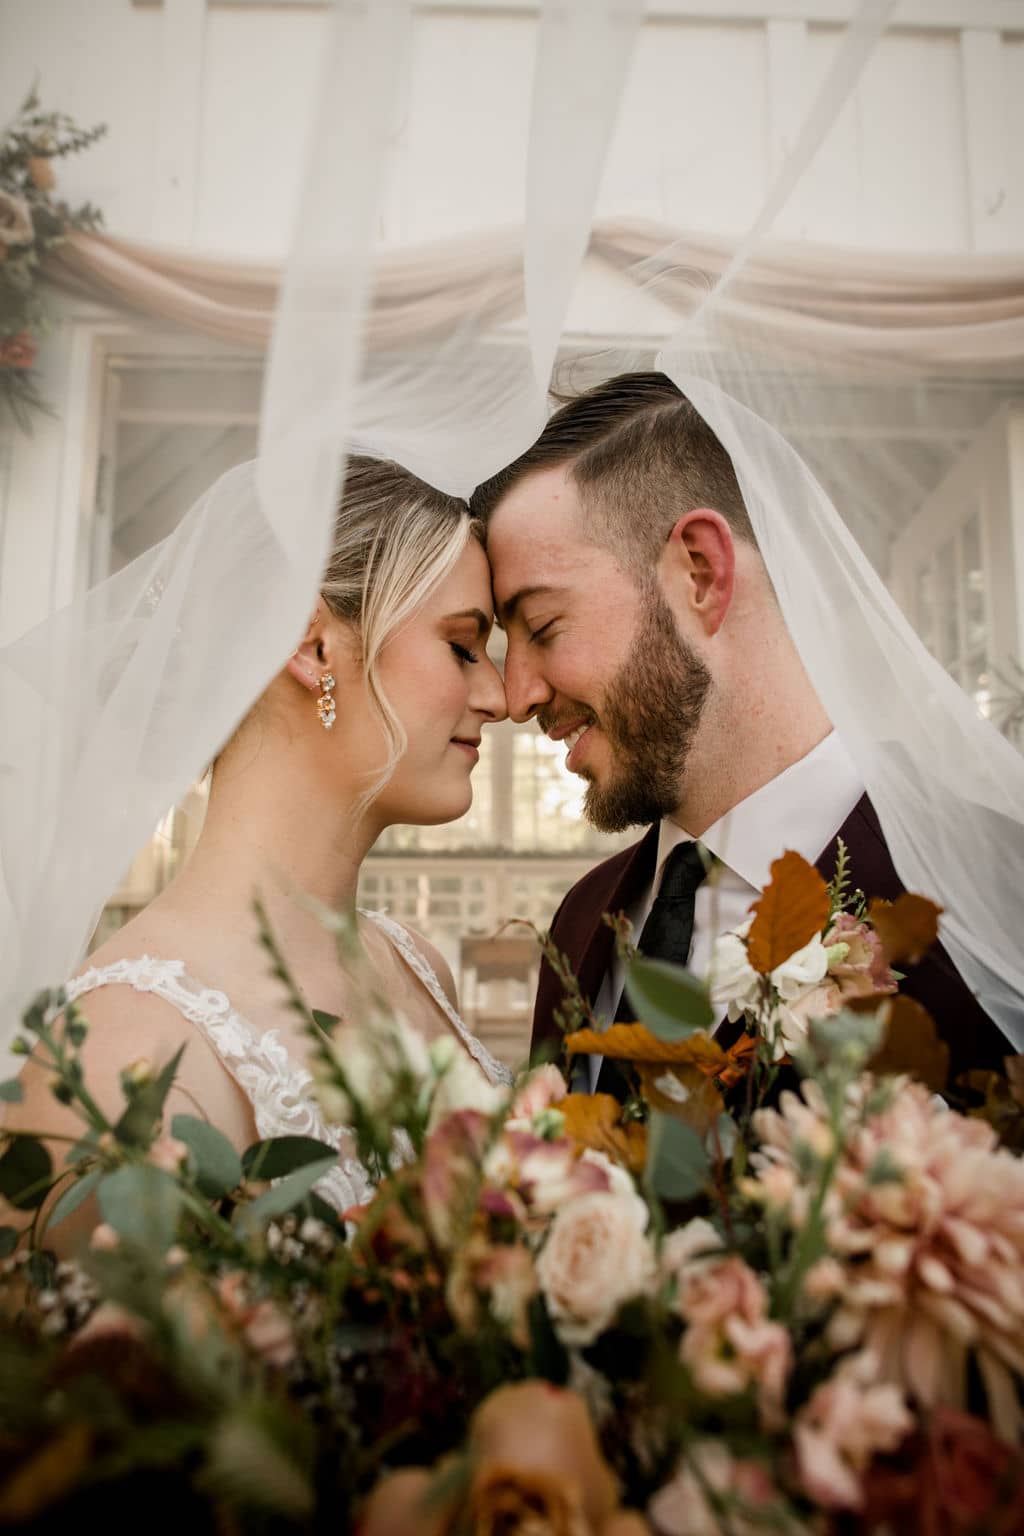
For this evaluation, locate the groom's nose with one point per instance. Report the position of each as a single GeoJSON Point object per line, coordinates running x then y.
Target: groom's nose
{"type": "Point", "coordinates": [526, 688]}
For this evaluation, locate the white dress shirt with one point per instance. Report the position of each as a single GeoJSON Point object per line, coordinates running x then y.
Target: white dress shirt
{"type": "Point", "coordinates": [802, 808]}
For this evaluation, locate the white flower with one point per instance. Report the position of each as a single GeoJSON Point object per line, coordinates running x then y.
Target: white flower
{"type": "Point", "coordinates": [371, 1059]}
{"type": "Point", "coordinates": [596, 1257]}
{"type": "Point", "coordinates": [15, 221]}
{"type": "Point", "coordinates": [732, 979]}
{"type": "Point", "coordinates": [801, 971]}
{"type": "Point", "coordinates": [464, 1085]}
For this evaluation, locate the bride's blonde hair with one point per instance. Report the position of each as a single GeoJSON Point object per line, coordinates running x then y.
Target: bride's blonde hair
{"type": "Point", "coordinates": [395, 539]}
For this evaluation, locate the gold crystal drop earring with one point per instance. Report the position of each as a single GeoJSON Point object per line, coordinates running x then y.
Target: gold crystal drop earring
{"type": "Point", "coordinates": [325, 703]}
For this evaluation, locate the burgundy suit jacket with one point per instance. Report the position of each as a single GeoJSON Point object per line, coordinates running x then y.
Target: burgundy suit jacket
{"type": "Point", "coordinates": [577, 930]}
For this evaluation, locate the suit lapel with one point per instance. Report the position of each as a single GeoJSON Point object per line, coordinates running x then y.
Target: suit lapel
{"type": "Point", "coordinates": [625, 884]}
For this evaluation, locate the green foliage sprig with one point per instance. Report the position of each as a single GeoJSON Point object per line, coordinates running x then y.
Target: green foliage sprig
{"type": "Point", "coordinates": [33, 222]}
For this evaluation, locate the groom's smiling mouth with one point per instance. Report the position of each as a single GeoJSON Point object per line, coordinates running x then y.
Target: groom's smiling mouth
{"type": "Point", "coordinates": [573, 733]}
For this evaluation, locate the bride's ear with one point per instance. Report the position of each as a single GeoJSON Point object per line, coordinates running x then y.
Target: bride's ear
{"type": "Point", "coordinates": [311, 658]}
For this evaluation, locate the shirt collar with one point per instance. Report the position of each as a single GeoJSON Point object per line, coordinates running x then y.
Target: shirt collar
{"type": "Point", "coordinates": [801, 808]}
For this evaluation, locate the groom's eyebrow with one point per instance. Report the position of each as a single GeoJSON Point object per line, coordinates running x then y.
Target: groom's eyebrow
{"type": "Point", "coordinates": [507, 611]}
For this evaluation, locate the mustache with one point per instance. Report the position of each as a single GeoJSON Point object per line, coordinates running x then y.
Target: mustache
{"type": "Point", "coordinates": [554, 721]}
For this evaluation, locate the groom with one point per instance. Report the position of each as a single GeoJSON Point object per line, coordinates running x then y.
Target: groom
{"type": "Point", "coordinates": [644, 634]}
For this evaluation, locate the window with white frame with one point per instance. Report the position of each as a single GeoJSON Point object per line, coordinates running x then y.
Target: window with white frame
{"type": "Point", "coordinates": [957, 566]}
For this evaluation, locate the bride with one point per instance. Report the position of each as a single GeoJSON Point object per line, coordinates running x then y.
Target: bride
{"type": "Point", "coordinates": [375, 719]}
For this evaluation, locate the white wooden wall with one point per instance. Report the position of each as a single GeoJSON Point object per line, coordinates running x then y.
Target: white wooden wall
{"type": "Point", "coordinates": [208, 103]}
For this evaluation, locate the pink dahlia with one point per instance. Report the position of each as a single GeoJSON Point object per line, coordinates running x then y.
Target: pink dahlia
{"type": "Point", "coordinates": [926, 1216]}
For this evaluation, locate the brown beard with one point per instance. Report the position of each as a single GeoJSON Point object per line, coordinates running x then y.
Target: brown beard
{"type": "Point", "coordinates": [650, 715]}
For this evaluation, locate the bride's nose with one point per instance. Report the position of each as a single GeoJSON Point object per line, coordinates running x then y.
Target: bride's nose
{"type": "Point", "coordinates": [488, 695]}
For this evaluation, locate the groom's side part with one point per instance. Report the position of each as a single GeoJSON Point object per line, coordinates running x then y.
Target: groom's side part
{"type": "Point", "coordinates": [643, 631]}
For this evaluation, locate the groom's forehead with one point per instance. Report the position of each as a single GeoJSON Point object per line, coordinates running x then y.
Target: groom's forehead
{"type": "Point", "coordinates": [538, 512]}
{"type": "Point", "coordinates": [532, 537]}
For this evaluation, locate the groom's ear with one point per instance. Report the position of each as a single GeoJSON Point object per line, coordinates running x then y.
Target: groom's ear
{"type": "Point", "coordinates": [699, 567]}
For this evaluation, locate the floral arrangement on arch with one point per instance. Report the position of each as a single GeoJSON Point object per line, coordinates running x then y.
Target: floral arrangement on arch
{"type": "Point", "coordinates": [32, 223]}
{"type": "Point", "coordinates": [724, 1306]}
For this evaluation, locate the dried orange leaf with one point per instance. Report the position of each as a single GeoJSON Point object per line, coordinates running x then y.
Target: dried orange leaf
{"type": "Point", "coordinates": [793, 907]}
{"type": "Point", "coordinates": [593, 1120]}
{"type": "Point", "coordinates": [739, 1061]}
{"type": "Point", "coordinates": [907, 927]}
{"type": "Point", "coordinates": [911, 1044]}
{"type": "Point", "coordinates": [47, 1476]}
{"type": "Point", "coordinates": [686, 1093]}
{"type": "Point", "coordinates": [635, 1042]}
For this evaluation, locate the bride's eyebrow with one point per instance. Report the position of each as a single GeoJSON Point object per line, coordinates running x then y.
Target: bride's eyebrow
{"type": "Point", "coordinates": [483, 623]}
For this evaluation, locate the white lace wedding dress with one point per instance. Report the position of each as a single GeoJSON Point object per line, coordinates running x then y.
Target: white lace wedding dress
{"type": "Point", "coordinates": [278, 1088]}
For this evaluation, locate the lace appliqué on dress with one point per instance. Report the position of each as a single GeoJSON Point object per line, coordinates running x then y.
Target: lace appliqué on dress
{"type": "Point", "coordinates": [278, 1089]}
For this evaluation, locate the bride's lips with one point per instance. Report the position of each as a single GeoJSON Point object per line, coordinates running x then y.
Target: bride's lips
{"type": "Point", "coordinates": [468, 745]}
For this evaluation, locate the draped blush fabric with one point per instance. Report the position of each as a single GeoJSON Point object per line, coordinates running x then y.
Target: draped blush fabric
{"type": "Point", "coordinates": [955, 312]}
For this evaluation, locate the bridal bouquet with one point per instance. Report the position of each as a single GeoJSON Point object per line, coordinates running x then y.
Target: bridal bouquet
{"type": "Point", "coordinates": [780, 1288]}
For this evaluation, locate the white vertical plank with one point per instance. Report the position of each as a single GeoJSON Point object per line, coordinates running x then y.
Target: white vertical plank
{"type": "Point", "coordinates": [987, 128]}
{"type": "Point", "coordinates": [179, 120]}
{"type": "Point", "coordinates": [787, 87]}
{"type": "Point", "coordinates": [1013, 634]}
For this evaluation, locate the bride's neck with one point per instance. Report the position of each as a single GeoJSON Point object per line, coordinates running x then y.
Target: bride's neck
{"type": "Point", "coordinates": [271, 830]}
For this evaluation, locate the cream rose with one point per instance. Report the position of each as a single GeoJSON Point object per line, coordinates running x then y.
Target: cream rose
{"type": "Point", "coordinates": [596, 1257]}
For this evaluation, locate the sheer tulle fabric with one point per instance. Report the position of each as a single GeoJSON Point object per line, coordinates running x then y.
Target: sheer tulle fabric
{"type": "Point", "coordinates": [112, 707]}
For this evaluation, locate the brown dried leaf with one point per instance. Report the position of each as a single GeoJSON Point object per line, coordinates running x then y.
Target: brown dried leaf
{"type": "Point", "coordinates": [907, 927]}
{"type": "Point", "coordinates": [695, 1099]}
{"type": "Point", "coordinates": [1014, 1069]}
{"type": "Point", "coordinates": [47, 1476]}
{"type": "Point", "coordinates": [593, 1120]}
{"type": "Point", "coordinates": [635, 1042]}
{"type": "Point", "coordinates": [739, 1061]}
{"type": "Point", "coordinates": [792, 908]}
{"type": "Point", "coordinates": [911, 1044]}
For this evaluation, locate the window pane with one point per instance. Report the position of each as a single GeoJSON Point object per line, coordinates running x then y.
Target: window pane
{"type": "Point", "coordinates": [948, 644]}
{"type": "Point", "coordinates": [974, 585]}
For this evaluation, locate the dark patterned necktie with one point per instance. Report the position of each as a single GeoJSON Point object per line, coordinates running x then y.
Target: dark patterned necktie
{"type": "Point", "coordinates": [666, 935]}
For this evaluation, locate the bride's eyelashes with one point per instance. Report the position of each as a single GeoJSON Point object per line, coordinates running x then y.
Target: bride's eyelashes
{"type": "Point", "coordinates": [463, 653]}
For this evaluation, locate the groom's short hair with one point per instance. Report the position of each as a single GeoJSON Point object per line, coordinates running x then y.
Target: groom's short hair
{"type": "Point", "coordinates": [635, 444]}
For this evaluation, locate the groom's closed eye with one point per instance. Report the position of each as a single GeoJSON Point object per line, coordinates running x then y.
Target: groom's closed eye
{"type": "Point", "coordinates": [535, 636]}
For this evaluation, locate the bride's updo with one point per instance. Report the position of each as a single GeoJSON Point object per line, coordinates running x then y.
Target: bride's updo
{"type": "Point", "coordinates": [395, 539]}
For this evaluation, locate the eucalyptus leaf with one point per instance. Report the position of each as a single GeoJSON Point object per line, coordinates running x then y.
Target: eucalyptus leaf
{"type": "Point", "coordinates": [677, 1162]}
{"type": "Point", "coordinates": [84, 1148]}
{"type": "Point", "coordinates": [274, 1158]}
{"type": "Point", "coordinates": [218, 1165]}
{"type": "Point", "coordinates": [326, 1021]}
{"type": "Point", "coordinates": [11, 1092]}
{"type": "Point", "coordinates": [74, 1196]}
{"type": "Point", "coordinates": [26, 1173]}
{"type": "Point", "coordinates": [668, 999]}
{"type": "Point", "coordinates": [8, 1241]}
{"type": "Point", "coordinates": [142, 1204]}
{"type": "Point", "coordinates": [286, 1194]}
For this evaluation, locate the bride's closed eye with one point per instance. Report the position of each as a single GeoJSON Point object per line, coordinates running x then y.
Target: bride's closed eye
{"type": "Point", "coordinates": [463, 653]}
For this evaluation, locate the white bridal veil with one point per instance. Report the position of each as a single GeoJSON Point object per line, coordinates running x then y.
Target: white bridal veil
{"type": "Point", "coordinates": [843, 386]}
